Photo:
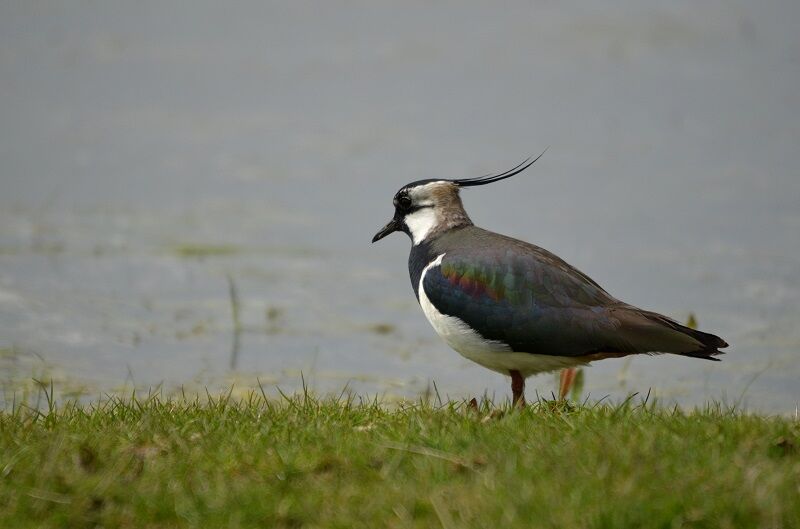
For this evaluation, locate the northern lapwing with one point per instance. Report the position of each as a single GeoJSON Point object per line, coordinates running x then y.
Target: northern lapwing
{"type": "Point", "coordinates": [513, 307]}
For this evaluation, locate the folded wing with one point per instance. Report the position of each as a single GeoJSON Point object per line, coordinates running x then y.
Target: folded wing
{"type": "Point", "coordinates": [524, 296]}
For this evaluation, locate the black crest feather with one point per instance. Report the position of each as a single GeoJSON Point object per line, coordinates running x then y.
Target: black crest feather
{"type": "Point", "coordinates": [488, 179]}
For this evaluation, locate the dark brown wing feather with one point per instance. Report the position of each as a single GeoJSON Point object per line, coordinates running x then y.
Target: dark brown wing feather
{"type": "Point", "coordinates": [524, 296]}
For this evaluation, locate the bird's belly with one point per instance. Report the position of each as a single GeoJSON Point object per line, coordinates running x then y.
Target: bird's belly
{"type": "Point", "coordinates": [491, 354]}
{"type": "Point", "coordinates": [526, 363]}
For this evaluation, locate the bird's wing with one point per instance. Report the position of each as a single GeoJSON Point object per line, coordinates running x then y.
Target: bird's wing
{"type": "Point", "coordinates": [535, 302]}
{"type": "Point", "coordinates": [523, 296]}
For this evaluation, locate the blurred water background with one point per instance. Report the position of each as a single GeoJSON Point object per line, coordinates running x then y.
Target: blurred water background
{"type": "Point", "coordinates": [157, 157]}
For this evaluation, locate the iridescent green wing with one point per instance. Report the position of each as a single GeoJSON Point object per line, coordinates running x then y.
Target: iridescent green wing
{"type": "Point", "coordinates": [523, 296]}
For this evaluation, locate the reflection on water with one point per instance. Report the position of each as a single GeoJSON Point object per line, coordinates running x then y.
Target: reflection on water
{"type": "Point", "coordinates": [162, 167]}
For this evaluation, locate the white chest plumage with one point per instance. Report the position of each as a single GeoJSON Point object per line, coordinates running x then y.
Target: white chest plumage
{"type": "Point", "coordinates": [491, 354]}
{"type": "Point", "coordinates": [455, 332]}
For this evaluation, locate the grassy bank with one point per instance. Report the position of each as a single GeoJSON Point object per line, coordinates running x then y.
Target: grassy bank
{"type": "Point", "coordinates": [340, 463]}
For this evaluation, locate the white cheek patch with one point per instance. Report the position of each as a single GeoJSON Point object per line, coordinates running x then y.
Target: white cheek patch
{"type": "Point", "coordinates": [420, 223]}
{"type": "Point", "coordinates": [423, 220]}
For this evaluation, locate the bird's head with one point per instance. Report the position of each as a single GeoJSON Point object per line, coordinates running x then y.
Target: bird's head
{"type": "Point", "coordinates": [426, 208]}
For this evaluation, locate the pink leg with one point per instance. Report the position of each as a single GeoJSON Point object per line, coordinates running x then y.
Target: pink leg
{"type": "Point", "coordinates": [517, 387]}
{"type": "Point", "coordinates": [567, 380]}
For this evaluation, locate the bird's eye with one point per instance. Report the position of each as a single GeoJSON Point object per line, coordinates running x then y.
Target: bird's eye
{"type": "Point", "coordinates": [404, 202]}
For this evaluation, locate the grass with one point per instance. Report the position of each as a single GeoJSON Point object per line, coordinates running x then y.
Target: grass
{"type": "Point", "coordinates": [309, 462]}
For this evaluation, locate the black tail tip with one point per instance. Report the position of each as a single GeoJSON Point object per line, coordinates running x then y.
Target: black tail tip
{"type": "Point", "coordinates": [706, 354]}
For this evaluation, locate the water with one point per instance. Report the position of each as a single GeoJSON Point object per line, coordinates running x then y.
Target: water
{"type": "Point", "coordinates": [150, 152]}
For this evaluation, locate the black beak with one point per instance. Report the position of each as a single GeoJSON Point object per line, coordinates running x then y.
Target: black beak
{"type": "Point", "coordinates": [391, 227]}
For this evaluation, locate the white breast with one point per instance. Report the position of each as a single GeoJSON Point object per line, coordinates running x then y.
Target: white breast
{"type": "Point", "coordinates": [491, 354]}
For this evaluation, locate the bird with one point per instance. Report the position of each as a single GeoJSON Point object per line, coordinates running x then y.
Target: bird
{"type": "Point", "coordinates": [514, 307]}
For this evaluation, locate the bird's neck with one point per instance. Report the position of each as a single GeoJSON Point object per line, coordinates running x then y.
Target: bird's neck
{"type": "Point", "coordinates": [421, 254]}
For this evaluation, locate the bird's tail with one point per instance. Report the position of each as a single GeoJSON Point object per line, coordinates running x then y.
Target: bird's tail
{"type": "Point", "coordinates": [709, 344]}
{"type": "Point", "coordinates": [650, 332]}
